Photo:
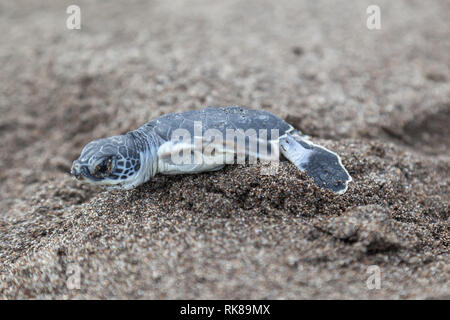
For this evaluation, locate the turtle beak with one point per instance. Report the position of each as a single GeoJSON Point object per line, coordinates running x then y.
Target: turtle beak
{"type": "Point", "coordinates": [75, 171]}
{"type": "Point", "coordinates": [81, 171]}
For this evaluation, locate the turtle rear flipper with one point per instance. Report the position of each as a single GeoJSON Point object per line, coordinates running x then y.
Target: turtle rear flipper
{"type": "Point", "coordinates": [324, 166]}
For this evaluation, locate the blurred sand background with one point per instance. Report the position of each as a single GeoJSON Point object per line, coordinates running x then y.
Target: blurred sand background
{"type": "Point", "coordinates": [380, 98]}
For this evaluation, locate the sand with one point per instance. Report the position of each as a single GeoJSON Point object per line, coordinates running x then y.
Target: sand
{"type": "Point", "coordinates": [380, 98]}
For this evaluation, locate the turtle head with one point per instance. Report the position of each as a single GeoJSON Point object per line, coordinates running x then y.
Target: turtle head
{"type": "Point", "coordinates": [113, 162]}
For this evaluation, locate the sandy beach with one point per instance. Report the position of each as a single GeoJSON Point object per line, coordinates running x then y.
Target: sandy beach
{"type": "Point", "coordinates": [379, 98]}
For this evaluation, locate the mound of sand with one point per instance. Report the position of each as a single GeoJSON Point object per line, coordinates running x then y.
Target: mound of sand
{"type": "Point", "coordinates": [381, 99]}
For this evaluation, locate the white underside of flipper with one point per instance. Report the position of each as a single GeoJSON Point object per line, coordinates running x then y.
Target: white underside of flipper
{"type": "Point", "coordinates": [178, 157]}
{"type": "Point", "coordinates": [183, 158]}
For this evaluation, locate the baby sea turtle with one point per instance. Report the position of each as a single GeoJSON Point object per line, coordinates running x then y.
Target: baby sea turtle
{"type": "Point", "coordinates": [208, 138]}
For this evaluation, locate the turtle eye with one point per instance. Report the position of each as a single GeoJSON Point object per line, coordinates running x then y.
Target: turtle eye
{"type": "Point", "coordinates": [104, 168]}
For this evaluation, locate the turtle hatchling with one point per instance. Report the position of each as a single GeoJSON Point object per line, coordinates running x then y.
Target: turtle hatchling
{"type": "Point", "coordinates": [205, 140]}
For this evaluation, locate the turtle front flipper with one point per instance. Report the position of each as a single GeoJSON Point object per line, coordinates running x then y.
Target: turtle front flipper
{"type": "Point", "coordinates": [324, 166]}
